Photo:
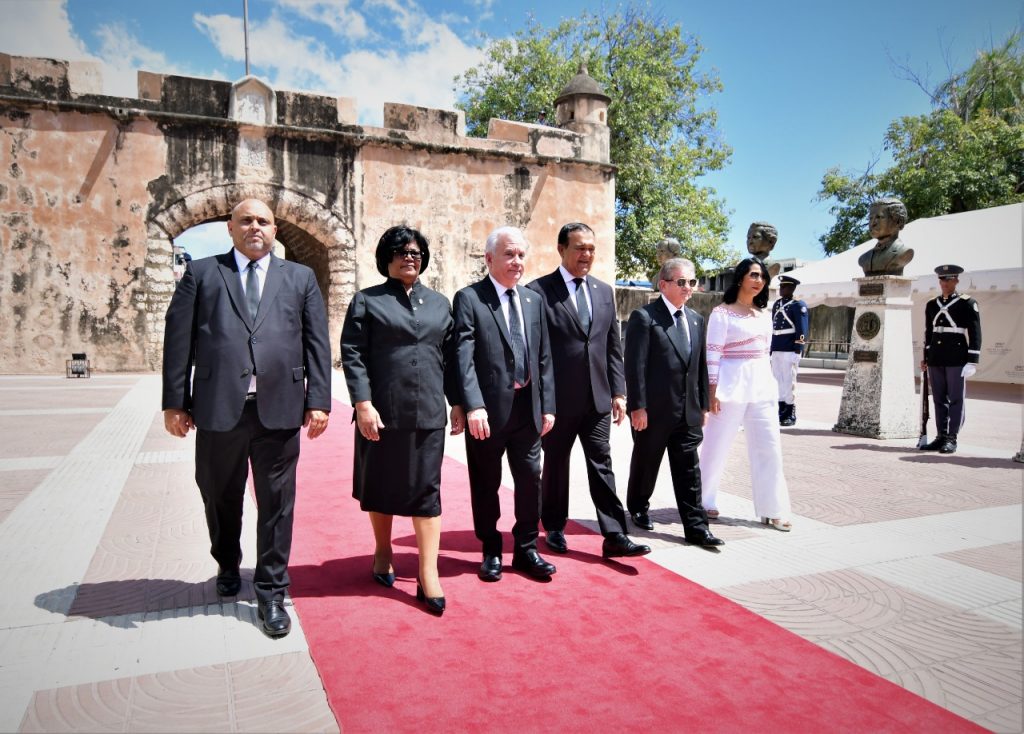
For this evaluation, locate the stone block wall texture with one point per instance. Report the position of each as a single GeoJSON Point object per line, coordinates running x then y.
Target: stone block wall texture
{"type": "Point", "coordinates": [94, 189]}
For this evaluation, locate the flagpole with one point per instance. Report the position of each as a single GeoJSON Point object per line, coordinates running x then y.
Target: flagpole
{"type": "Point", "coordinates": [245, 29]}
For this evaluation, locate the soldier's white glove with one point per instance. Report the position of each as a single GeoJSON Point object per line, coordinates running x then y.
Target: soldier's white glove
{"type": "Point", "coordinates": [968, 370]}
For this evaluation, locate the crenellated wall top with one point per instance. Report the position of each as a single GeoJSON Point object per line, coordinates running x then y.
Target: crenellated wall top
{"type": "Point", "coordinates": [251, 101]}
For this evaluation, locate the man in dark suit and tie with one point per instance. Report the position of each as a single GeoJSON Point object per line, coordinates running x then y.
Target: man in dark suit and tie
{"type": "Point", "coordinates": [586, 353]}
{"type": "Point", "coordinates": [667, 389]}
{"type": "Point", "coordinates": [508, 394]}
{"type": "Point", "coordinates": [247, 361]}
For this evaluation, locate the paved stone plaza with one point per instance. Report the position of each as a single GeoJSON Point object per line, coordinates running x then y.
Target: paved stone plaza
{"type": "Point", "coordinates": [907, 564]}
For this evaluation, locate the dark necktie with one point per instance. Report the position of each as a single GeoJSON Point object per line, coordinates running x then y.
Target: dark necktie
{"type": "Point", "coordinates": [581, 304]}
{"type": "Point", "coordinates": [252, 288]}
{"type": "Point", "coordinates": [515, 333]}
{"type": "Point", "coordinates": [684, 336]}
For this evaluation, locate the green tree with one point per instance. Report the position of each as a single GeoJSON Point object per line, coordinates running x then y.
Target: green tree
{"type": "Point", "coordinates": [966, 154]}
{"type": "Point", "coordinates": [663, 134]}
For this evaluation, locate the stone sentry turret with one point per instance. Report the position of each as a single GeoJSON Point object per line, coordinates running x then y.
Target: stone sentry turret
{"type": "Point", "coordinates": [582, 107]}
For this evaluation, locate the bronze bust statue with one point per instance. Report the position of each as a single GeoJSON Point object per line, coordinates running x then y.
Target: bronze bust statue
{"type": "Point", "coordinates": [889, 255]}
{"type": "Point", "coordinates": [666, 249]}
{"type": "Point", "coordinates": [761, 239]}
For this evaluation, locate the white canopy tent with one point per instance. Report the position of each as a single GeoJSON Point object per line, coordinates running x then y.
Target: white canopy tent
{"type": "Point", "coordinates": [987, 243]}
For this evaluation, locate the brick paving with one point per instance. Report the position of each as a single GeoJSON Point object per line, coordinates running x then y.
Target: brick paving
{"type": "Point", "coordinates": [907, 564]}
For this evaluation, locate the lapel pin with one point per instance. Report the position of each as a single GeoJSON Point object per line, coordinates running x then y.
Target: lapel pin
{"type": "Point", "coordinates": [527, 300]}
{"type": "Point", "coordinates": [421, 301]}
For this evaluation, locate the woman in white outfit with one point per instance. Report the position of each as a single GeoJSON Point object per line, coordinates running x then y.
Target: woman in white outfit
{"type": "Point", "coordinates": [743, 392]}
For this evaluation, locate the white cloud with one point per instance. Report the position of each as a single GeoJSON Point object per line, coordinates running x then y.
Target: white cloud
{"type": "Point", "coordinates": [43, 28]}
{"type": "Point", "coordinates": [123, 56]}
{"type": "Point", "coordinates": [40, 29]}
{"type": "Point", "coordinates": [381, 51]}
{"type": "Point", "coordinates": [417, 69]}
{"type": "Point", "coordinates": [335, 14]}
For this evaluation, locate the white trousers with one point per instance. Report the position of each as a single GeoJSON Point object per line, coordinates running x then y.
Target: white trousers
{"type": "Point", "coordinates": [760, 422]}
{"type": "Point", "coordinates": [784, 367]}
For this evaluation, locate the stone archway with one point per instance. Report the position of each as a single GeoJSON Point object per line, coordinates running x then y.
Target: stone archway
{"type": "Point", "coordinates": [312, 234]}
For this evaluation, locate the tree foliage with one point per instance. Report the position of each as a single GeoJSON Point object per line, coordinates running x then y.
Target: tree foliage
{"type": "Point", "coordinates": [966, 154]}
{"type": "Point", "coordinates": [663, 134]}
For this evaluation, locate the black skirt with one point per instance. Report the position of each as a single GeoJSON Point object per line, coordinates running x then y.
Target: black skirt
{"type": "Point", "coordinates": [400, 474]}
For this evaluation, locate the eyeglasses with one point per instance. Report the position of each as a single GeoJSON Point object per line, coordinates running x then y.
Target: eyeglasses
{"type": "Point", "coordinates": [682, 282]}
{"type": "Point", "coordinates": [414, 254]}
{"type": "Point", "coordinates": [754, 275]}
{"type": "Point", "coordinates": [947, 277]}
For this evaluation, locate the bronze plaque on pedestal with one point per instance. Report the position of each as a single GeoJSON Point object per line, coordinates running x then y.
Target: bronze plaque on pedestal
{"type": "Point", "coordinates": [864, 355]}
{"type": "Point", "coordinates": [870, 289]}
{"type": "Point", "coordinates": [868, 325]}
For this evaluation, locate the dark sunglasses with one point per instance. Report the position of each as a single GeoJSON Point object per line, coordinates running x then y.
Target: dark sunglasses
{"type": "Point", "coordinates": [947, 277]}
{"type": "Point", "coordinates": [414, 254]}
{"type": "Point", "coordinates": [682, 282]}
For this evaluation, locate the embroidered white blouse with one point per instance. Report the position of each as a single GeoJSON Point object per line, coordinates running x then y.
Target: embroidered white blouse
{"type": "Point", "coordinates": [738, 356]}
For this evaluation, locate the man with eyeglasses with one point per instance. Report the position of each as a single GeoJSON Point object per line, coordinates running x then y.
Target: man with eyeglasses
{"type": "Point", "coordinates": [952, 349]}
{"type": "Point", "coordinates": [667, 398]}
{"type": "Point", "coordinates": [586, 354]}
{"type": "Point", "coordinates": [247, 361]}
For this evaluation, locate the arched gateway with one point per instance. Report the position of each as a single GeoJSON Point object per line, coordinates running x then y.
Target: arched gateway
{"type": "Point", "coordinates": [311, 233]}
{"type": "Point", "coordinates": [94, 190]}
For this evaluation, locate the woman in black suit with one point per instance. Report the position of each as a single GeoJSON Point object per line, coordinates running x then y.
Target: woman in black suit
{"type": "Point", "coordinates": [397, 352]}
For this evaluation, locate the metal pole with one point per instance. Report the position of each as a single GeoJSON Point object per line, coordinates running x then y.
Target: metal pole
{"type": "Point", "coordinates": [245, 28]}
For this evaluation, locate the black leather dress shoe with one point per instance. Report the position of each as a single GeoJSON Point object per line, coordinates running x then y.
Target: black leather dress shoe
{"type": "Point", "coordinates": [948, 446]}
{"type": "Point", "coordinates": [619, 545]}
{"type": "Point", "coordinates": [934, 445]}
{"type": "Point", "coordinates": [532, 564]}
{"type": "Point", "coordinates": [385, 579]}
{"type": "Point", "coordinates": [490, 569]}
{"type": "Point", "coordinates": [229, 581]}
{"type": "Point", "coordinates": [705, 540]}
{"type": "Point", "coordinates": [276, 622]}
{"type": "Point", "coordinates": [555, 540]}
{"type": "Point", "coordinates": [642, 520]}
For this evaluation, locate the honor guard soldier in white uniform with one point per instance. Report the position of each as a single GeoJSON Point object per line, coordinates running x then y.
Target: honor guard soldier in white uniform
{"type": "Point", "coordinates": [789, 335]}
{"type": "Point", "coordinates": [952, 348]}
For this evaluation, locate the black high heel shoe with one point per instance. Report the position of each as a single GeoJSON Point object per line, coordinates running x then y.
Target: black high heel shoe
{"type": "Point", "coordinates": [385, 579]}
{"type": "Point", "coordinates": [435, 604]}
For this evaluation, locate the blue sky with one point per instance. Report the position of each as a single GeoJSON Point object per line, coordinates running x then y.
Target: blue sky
{"type": "Point", "coordinates": [807, 85]}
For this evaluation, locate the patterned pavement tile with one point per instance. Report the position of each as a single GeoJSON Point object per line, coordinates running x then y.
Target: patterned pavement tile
{"type": "Point", "coordinates": [34, 435]}
{"type": "Point", "coordinates": [1004, 559]}
{"type": "Point", "coordinates": [279, 693]}
{"type": "Point", "coordinates": [93, 707]}
{"type": "Point", "coordinates": [100, 395]}
{"type": "Point", "coordinates": [15, 486]}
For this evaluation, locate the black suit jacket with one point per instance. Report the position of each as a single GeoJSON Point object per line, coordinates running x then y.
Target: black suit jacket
{"type": "Point", "coordinates": [395, 350]}
{"type": "Point", "coordinates": [484, 354]}
{"type": "Point", "coordinates": [588, 366]}
{"type": "Point", "coordinates": [208, 327]}
{"type": "Point", "coordinates": [657, 377]}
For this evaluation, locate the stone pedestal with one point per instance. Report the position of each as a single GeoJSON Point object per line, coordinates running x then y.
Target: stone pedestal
{"type": "Point", "coordinates": [878, 391]}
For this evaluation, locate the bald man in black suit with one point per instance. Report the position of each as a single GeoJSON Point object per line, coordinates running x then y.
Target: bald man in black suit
{"type": "Point", "coordinates": [247, 361]}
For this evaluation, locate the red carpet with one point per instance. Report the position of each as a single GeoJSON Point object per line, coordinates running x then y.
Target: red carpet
{"type": "Point", "coordinates": [613, 646]}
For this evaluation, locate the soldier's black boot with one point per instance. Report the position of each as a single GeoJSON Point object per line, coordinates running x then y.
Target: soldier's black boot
{"type": "Point", "coordinates": [782, 412]}
{"type": "Point", "coordinates": [949, 447]}
{"type": "Point", "coordinates": [935, 445]}
{"type": "Point", "coordinates": [788, 415]}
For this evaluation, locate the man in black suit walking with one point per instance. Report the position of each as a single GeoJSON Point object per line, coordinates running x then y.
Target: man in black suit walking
{"type": "Point", "coordinates": [667, 385]}
{"type": "Point", "coordinates": [253, 328]}
{"type": "Point", "coordinates": [586, 354]}
{"type": "Point", "coordinates": [508, 395]}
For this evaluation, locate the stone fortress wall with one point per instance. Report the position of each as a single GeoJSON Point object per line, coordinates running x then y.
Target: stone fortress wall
{"type": "Point", "coordinates": [94, 190]}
